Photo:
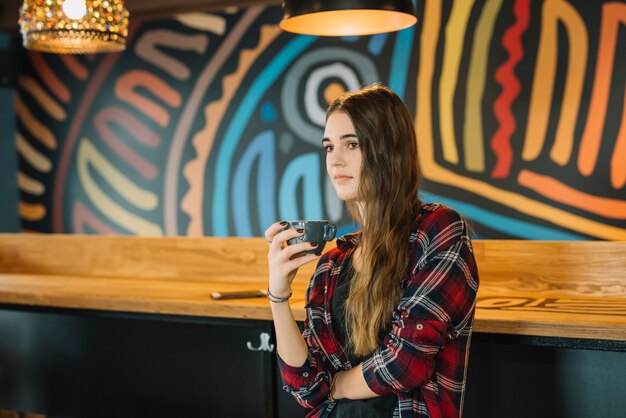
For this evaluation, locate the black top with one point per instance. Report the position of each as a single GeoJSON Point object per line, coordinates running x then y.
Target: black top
{"type": "Point", "coordinates": [381, 406]}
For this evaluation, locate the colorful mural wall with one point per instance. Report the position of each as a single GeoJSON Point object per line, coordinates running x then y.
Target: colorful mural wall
{"type": "Point", "coordinates": [210, 123]}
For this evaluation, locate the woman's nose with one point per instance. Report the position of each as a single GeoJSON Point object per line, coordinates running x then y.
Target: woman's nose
{"type": "Point", "coordinates": [336, 160]}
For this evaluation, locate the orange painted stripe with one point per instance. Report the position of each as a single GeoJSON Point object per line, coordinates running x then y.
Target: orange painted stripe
{"type": "Point", "coordinates": [38, 130]}
{"type": "Point", "coordinates": [49, 78]}
{"type": "Point", "coordinates": [75, 66]}
{"type": "Point", "coordinates": [618, 160]}
{"type": "Point", "coordinates": [557, 191]}
{"type": "Point", "coordinates": [126, 89]}
{"type": "Point", "coordinates": [612, 15]}
{"type": "Point", "coordinates": [32, 212]}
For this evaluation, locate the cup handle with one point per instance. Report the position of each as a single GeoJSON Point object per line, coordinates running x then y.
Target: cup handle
{"type": "Point", "coordinates": [330, 230]}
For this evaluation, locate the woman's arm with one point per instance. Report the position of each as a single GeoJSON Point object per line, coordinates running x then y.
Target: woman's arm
{"type": "Point", "coordinates": [284, 262]}
{"type": "Point", "coordinates": [304, 369]}
{"type": "Point", "coordinates": [290, 345]}
{"type": "Point", "coordinates": [352, 385]}
{"type": "Point", "coordinates": [407, 357]}
{"type": "Point", "coordinates": [436, 308]}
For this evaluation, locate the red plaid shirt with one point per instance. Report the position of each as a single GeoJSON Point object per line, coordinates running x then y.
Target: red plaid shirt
{"type": "Point", "coordinates": [423, 359]}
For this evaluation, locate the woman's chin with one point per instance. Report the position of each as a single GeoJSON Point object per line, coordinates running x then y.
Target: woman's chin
{"type": "Point", "coordinates": [346, 197]}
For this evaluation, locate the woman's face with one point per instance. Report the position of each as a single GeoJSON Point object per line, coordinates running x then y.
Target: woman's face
{"type": "Point", "coordinates": [343, 155]}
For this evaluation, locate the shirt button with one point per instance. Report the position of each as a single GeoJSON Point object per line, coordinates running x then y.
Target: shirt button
{"type": "Point", "coordinates": [305, 374]}
{"type": "Point", "coordinates": [420, 327]}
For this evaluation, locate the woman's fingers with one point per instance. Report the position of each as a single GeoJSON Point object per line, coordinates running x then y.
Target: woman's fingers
{"type": "Point", "coordinates": [281, 236]}
{"type": "Point", "coordinates": [285, 260]}
{"type": "Point", "coordinates": [298, 262]}
{"type": "Point", "coordinates": [294, 250]}
{"type": "Point", "coordinates": [274, 229]}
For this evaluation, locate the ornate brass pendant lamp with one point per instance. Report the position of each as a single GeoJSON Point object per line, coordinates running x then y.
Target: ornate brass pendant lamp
{"type": "Point", "coordinates": [74, 26]}
{"type": "Point", "coordinates": [346, 17]}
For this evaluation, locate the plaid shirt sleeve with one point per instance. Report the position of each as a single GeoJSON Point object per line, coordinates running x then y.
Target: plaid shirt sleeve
{"type": "Point", "coordinates": [309, 383]}
{"type": "Point", "coordinates": [437, 304]}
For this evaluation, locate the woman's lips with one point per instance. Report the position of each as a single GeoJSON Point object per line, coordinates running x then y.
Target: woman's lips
{"type": "Point", "coordinates": [342, 179]}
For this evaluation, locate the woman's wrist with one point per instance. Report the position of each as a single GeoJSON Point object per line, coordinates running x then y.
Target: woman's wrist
{"type": "Point", "coordinates": [278, 297]}
{"type": "Point", "coordinates": [332, 392]}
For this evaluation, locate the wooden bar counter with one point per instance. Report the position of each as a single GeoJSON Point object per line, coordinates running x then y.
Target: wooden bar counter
{"type": "Point", "coordinates": [534, 288]}
{"type": "Point", "coordinates": [125, 326]}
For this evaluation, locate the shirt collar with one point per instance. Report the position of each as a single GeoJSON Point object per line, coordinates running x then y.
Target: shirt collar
{"type": "Point", "coordinates": [348, 241]}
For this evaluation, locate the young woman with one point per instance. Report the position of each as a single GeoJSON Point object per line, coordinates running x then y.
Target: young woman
{"type": "Point", "coordinates": [390, 310]}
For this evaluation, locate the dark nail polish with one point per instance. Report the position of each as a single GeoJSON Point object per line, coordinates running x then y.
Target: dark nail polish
{"type": "Point", "coordinates": [314, 244]}
{"type": "Point", "coordinates": [283, 223]}
{"type": "Point", "coordinates": [300, 230]}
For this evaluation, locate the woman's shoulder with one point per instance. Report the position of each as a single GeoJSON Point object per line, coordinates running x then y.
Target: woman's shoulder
{"type": "Point", "coordinates": [438, 223]}
{"type": "Point", "coordinates": [432, 213]}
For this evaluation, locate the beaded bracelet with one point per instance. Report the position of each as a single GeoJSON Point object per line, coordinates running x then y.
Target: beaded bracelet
{"type": "Point", "coordinates": [276, 299]}
{"type": "Point", "coordinates": [332, 386]}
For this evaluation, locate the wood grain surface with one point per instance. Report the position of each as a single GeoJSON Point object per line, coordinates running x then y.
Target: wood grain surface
{"type": "Point", "coordinates": [537, 288]}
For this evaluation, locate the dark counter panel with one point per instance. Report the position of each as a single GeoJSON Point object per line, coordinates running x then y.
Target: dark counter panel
{"type": "Point", "coordinates": [67, 365]}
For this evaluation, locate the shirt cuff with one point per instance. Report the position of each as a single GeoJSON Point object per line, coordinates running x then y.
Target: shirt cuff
{"type": "Point", "coordinates": [369, 374]}
{"type": "Point", "coordinates": [295, 377]}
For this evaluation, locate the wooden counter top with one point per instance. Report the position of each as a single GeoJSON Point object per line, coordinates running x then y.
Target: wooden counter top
{"type": "Point", "coordinates": [519, 313]}
{"type": "Point", "coordinates": [558, 289]}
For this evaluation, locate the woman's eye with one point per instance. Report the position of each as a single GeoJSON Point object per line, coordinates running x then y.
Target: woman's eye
{"type": "Point", "coordinates": [328, 148]}
{"type": "Point", "coordinates": [353, 145]}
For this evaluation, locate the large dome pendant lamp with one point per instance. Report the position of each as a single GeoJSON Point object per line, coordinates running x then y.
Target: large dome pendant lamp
{"type": "Point", "coordinates": [346, 17]}
{"type": "Point", "coordinates": [74, 26]}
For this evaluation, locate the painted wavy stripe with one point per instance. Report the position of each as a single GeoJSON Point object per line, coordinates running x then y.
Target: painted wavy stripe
{"type": "Point", "coordinates": [561, 151]}
{"type": "Point", "coordinates": [126, 90]}
{"type": "Point", "coordinates": [557, 191]}
{"type": "Point", "coordinates": [148, 49]}
{"type": "Point", "coordinates": [29, 185]}
{"type": "Point", "coordinates": [501, 223]}
{"type": "Point", "coordinates": [242, 115]}
{"type": "Point", "coordinates": [67, 152]}
{"type": "Point", "coordinates": [203, 140]}
{"type": "Point", "coordinates": [302, 172]}
{"type": "Point", "coordinates": [45, 101]}
{"type": "Point", "coordinates": [85, 104]}
{"type": "Point", "coordinates": [438, 174]}
{"type": "Point", "coordinates": [618, 160]}
{"type": "Point", "coordinates": [90, 159]}
{"type": "Point", "coordinates": [82, 217]}
{"type": "Point", "coordinates": [377, 43]}
{"type": "Point", "coordinates": [453, 51]}
{"type": "Point", "coordinates": [33, 157]}
{"type": "Point", "coordinates": [135, 129]}
{"type": "Point", "coordinates": [613, 15]}
{"type": "Point", "coordinates": [37, 129]}
{"type": "Point", "coordinates": [554, 13]}
{"type": "Point", "coordinates": [49, 77]}
{"type": "Point", "coordinates": [505, 75]}
{"type": "Point", "coordinates": [75, 67]}
{"type": "Point", "coordinates": [400, 61]}
{"type": "Point", "coordinates": [473, 134]}
{"type": "Point", "coordinates": [204, 22]}
{"type": "Point", "coordinates": [32, 212]}
{"type": "Point", "coordinates": [261, 154]}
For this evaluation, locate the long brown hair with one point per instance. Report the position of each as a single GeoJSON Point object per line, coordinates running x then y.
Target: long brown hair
{"type": "Point", "coordinates": [389, 188]}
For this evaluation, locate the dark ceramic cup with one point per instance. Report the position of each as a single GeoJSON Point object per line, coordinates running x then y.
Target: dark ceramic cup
{"type": "Point", "coordinates": [314, 231]}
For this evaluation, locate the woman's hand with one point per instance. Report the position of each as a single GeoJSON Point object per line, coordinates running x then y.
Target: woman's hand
{"type": "Point", "coordinates": [285, 260]}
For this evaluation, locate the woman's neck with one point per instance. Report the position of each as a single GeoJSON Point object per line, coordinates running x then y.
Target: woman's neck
{"type": "Point", "coordinates": [357, 260]}
{"type": "Point", "coordinates": [361, 208]}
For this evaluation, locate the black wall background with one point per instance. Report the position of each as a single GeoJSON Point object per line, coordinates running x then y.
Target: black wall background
{"type": "Point", "coordinates": [9, 218]}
